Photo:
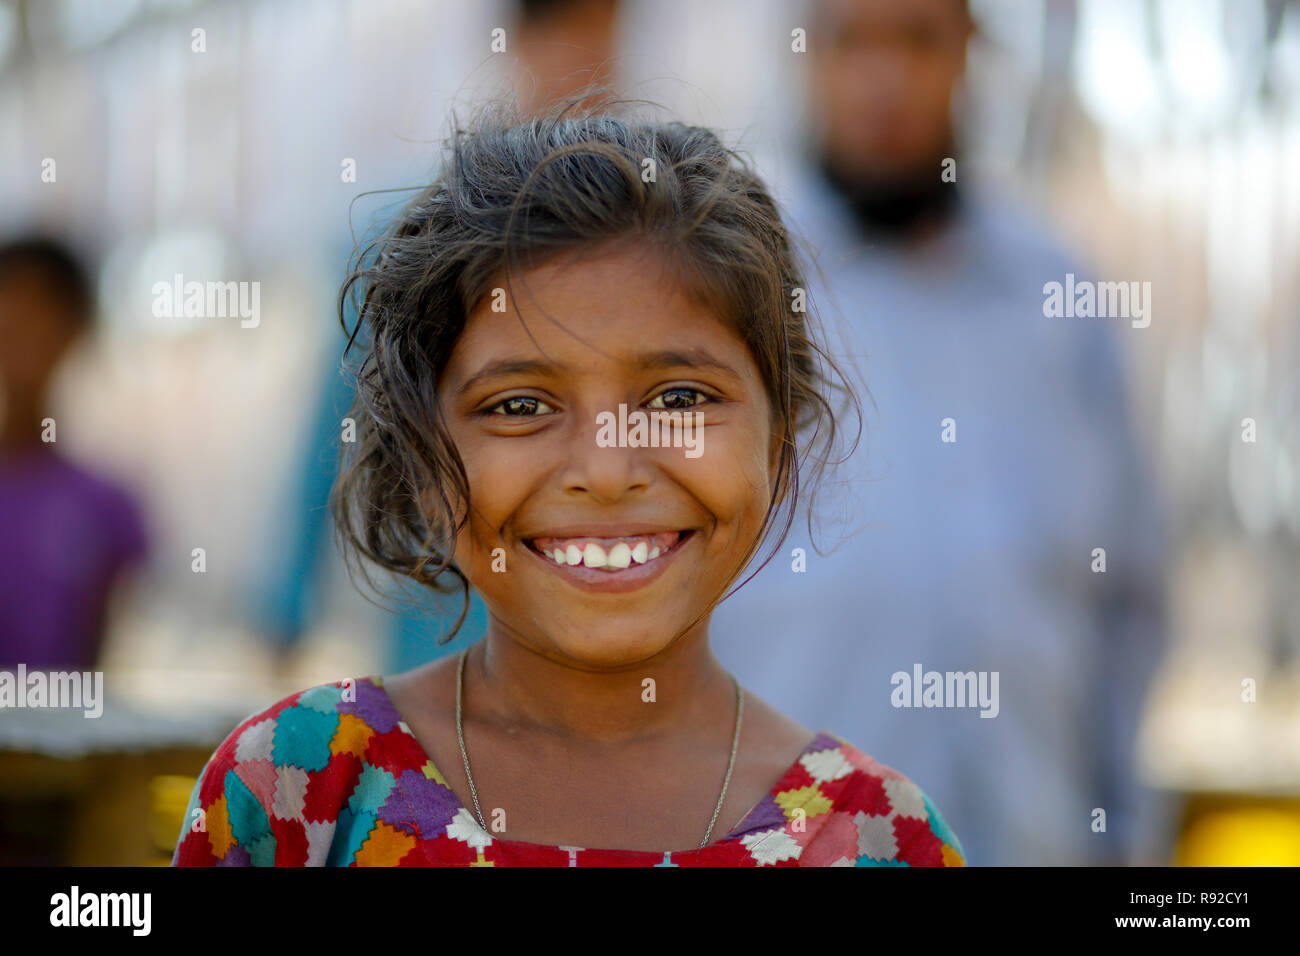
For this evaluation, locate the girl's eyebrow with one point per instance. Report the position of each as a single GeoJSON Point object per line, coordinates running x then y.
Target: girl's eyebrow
{"type": "Point", "coordinates": [646, 361]}
{"type": "Point", "coordinates": [510, 367]}
{"type": "Point", "coordinates": [690, 358]}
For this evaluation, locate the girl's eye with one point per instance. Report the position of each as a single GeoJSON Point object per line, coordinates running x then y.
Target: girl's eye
{"type": "Point", "coordinates": [521, 406]}
{"type": "Point", "coordinates": [679, 398]}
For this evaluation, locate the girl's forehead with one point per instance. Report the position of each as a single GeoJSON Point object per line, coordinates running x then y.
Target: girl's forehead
{"type": "Point", "coordinates": [613, 306]}
{"type": "Point", "coordinates": [623, 270]}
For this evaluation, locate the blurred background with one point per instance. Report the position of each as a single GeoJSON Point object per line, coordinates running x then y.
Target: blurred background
{"type": "Point", "coordinates": [1152, 140]}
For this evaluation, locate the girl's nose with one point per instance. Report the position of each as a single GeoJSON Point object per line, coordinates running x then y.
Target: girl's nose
{"type": "Point", "coordinates": [606, 471]}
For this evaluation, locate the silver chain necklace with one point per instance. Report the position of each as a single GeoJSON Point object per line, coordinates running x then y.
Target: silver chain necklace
{"type": "Point", "coordinates": [731, 763]}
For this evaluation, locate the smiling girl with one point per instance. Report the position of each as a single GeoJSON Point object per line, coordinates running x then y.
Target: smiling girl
{"type": "Point", "coordinates": [560, 268]}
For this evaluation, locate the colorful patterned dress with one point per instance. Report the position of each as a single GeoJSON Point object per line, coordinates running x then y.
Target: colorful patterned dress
{"type": "Point", "coordinates": [332, 776]}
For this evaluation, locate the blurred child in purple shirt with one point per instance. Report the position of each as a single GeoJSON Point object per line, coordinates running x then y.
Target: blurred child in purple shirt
{"type": "Point", "coordinates": [65, 534]}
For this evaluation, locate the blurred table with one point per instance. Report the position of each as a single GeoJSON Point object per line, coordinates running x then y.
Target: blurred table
{"type": "Point", "coordinates": [86, 791]}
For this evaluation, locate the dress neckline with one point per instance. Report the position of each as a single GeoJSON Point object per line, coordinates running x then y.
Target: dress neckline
{"type": "Point", "coordinates": [750, 821]}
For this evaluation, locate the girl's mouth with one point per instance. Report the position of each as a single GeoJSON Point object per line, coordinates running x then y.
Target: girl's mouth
{"type": "Point", "coordinates": [610, 554]}
{"type": "Point", "coordinates": [625, 560]}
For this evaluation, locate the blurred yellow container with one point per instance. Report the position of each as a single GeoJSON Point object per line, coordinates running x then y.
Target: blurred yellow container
{"type": "Point", "coordinates": [1241, 832]}
{"type": "Point", "coordinates": [169, 795]}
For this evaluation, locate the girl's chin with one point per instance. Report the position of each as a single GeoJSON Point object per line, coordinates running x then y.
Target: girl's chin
{"type": "Point", "coordinates": [606, 647]}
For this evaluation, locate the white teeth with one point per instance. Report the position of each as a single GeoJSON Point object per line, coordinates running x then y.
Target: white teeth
{"type": "Point", "coordinates": [619, 555]}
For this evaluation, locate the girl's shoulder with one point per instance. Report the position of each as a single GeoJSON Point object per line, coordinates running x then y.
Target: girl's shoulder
{"type": "Point", "coordinates": [276, 785]}
{"type": "Point", "coordinates": [896, 823]}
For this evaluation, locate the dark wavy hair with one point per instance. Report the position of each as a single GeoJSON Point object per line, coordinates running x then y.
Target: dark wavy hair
{"type": "Point", "coordinates": [513, 193]}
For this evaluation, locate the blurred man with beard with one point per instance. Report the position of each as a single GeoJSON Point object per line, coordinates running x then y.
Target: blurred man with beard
{"type": "Point", "coordinates": [997, 455]}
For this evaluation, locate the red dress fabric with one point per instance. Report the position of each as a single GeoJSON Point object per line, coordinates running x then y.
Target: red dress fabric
{"type": "Point", "coordinates": [332, 776]}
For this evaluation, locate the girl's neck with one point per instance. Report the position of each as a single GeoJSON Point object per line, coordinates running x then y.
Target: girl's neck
{"type": "Point", "coordinates": [512, 685]}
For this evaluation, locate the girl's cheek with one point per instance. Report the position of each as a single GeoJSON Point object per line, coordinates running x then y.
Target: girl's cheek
{"type": "Point", "coordinates": [481, 538]}
{"type": "Point", "coordinates": [738, 478]}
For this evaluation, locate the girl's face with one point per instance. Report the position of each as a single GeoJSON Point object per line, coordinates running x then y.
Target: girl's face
{"type": "Point", "coordinates": [586, 545]}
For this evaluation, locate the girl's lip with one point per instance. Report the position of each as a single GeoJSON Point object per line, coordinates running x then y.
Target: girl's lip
{"type": "Point", "coordinates": [628, 579]}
